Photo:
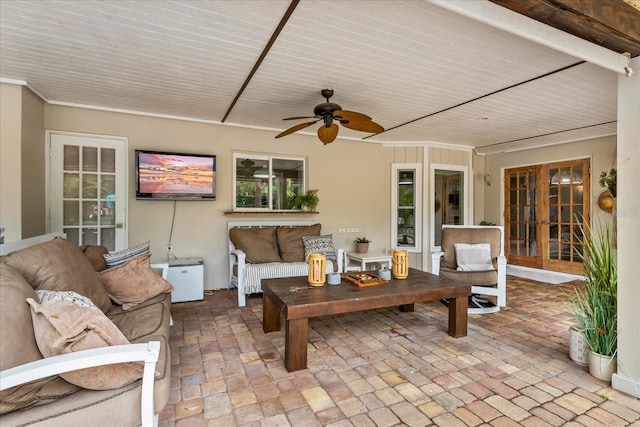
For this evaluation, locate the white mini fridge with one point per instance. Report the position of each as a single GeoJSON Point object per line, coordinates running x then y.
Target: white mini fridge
{"type": "Point", "coordinates": [187, 277]}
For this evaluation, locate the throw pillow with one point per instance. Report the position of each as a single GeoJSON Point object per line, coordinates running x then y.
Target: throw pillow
{"type": "Point", "coordinates": [95, 255]}
{"type": "Point", "coordinates": [69, 296]}
{"type": "Point", "coordinates": [120, 257]}
{"type": "Point", "coordinates": [63, 327]}
{"type": "Point", "coordinates": [473, 257]}
{"type": "Point", "coordinates": [60, 265]}
{"type": "Point", "coordinates": [320, 245]}
{"type": "Point", "coordinates": [290, 244]}
{"type": "Point", "coordinates": [133, 282]}
{"type": "Point", "coordinates": [256, 242]}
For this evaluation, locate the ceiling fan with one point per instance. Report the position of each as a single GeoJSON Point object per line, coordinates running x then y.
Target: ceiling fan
{"type": "Point", "coordinates": [248, 168]}
{"type": "Point", "coordinates": [328, 113]}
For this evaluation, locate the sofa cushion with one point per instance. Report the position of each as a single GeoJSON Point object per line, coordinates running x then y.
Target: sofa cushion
{"type": "Point", "coordinates": [95, 254]}
{"type": "Point", "coordinates": [256, 242]}
{"type": "Point", "coordinates": [120, 257]}
{"type": "Point", "coordinates": [134, 282]}
{"type": "Point", "coordinates": [60, 265]}
{"type": "Point", "coordinates": [63, 327]}
{"type": "Point", "coordinates": [319, 245]}
{"type": "Point", "coordinates": [289, 240]}
{"type": "Point", "coordinates": [18, 346]}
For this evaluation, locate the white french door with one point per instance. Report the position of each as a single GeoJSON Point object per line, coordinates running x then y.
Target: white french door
{"type": "Point", "coordinates": [87, 188]}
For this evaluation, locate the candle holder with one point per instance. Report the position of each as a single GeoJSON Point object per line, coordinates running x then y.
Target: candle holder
{"type": "Point", "coordinates": [317, 269]}
{"type": "Point", "coordinates": [400, 260]}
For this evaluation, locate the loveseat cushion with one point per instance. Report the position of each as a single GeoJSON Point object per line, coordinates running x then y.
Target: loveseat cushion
{"type": "Point", "coordinates": [18, 346]}
{"type": "Point", "coordinates": [256, 242]}
{"type": "Point", "coordinates": [60, 265]}
{"type": "Point", "coordinates": [289, 240]}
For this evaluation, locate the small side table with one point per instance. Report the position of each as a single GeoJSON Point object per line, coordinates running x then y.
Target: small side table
{"type": "Point", "coordinates": [368, 258]}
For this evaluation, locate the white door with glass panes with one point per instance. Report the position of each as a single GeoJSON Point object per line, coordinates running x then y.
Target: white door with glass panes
{"type": "Point", "coordinates": [87, 188]}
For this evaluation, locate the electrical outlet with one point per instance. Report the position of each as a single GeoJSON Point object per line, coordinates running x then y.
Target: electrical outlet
{"type": "Point", "coordinates": [348, 230]}
{"type": "Point", "coordinates": [169, 249]}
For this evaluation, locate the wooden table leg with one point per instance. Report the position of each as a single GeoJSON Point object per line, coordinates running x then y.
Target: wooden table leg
{"type": "Point", "coordinates": [270, 315]}
{"type": "Point", "coordinates": [406, 308]}
{"type": "Point", "coordinates": [458, 316]}
{"type": "Point", "coordinates": [295, 344]}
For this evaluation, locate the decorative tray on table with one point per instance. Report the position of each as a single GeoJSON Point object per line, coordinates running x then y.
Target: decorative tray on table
{"type": "Point", "coordinates": [362, 280]}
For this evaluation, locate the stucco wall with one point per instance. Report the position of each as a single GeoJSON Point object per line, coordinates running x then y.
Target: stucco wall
{"type": "Point", "coordinates": [602, 152]}
{"type": "Point", "coordinates": [10, 163]}
{"type": "Point", "coordinates": [33, 165]}
{"type": "Point", "coordinates": [353, 179]}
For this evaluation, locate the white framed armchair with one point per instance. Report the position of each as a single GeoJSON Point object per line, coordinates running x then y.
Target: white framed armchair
{"type": "Point", "coordinates": [480, 262]}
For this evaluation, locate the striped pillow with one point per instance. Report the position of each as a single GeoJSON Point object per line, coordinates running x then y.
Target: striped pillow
{"type": "Point", "coordinates": [117, 258]}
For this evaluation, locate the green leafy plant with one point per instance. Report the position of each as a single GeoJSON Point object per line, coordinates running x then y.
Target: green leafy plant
{"type": "Point", "coordinates": [595, 305]}
{"type": "Point", "coordinates": [486, 223]}
{"type": "Point", "coordinates": [362, 240]}
{"type": "Point", "coordinates": [309, 200]}
{"type": "Point", "coordinates": [609, 179]}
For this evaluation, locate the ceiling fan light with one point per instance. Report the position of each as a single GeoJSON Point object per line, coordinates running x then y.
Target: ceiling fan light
{"type": "Point", "coordinates": [328, 134]}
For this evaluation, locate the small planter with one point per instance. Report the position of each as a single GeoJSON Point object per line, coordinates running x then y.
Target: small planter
{"type": "Point", "coordinates": [362, 248]}
{"type": "Point", "coordinates": [601, 367]}
{"type": "Point", "coordinates": [578, 347]}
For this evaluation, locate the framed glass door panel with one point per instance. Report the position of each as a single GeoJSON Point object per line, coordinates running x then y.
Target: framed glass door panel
{"type": "Point", "coordinates": [521, 213]}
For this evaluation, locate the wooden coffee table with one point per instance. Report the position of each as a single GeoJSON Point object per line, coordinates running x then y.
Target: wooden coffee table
{"type": "Point", "coordinates": [297, 301]}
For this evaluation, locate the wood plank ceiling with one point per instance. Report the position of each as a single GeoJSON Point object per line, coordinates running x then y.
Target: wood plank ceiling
{"type": "Point", "coordinates": [423, 72]}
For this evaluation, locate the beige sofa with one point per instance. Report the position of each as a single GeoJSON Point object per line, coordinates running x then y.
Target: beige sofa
{"type": "Point", "coordinates": [274, 249]}
{"type": "Point", "coordinates": [31, 394]}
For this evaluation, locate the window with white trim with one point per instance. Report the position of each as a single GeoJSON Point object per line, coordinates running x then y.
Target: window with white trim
{"type": "Point", "coordinates": [406, 196]}
{"type": "Point", "coordinates": [264, 182]}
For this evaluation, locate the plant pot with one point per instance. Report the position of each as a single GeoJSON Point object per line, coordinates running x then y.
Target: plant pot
{"type": "Point", "coordinates": [601, 367]}
{"type": "Point", "coordinates": [578, 347]}
{"type": "Point", "coordinates": [362, 248]}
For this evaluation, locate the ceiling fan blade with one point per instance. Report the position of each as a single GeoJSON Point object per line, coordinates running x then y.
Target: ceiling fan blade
{"type": "Point", "coordinates": [328, 134]}
{"type": "Point", "coordinates": [299, 117]}
{"type": "Point", "coordinates": [363, 126]}
{"type": "Point", "coordinates": [352, 116]}
{"type": "Point", "coordinates": [295, 129]}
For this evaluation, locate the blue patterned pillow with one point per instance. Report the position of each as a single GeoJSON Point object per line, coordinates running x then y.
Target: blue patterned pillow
{"type": "Point", "coordinates": [120, 257]}
{"type": "Point", "coordinates": [319, 245]}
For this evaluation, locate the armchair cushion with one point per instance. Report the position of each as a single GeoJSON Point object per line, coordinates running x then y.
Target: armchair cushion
{"type": "Point", "coordinates": [256, 242]}
{"type": "Point", "coordinates": [473, 257]}
{"type": "Point", "coordinates": [290, 241]}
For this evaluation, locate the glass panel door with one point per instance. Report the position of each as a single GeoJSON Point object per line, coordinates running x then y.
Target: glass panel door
{"type": "Point", "coordinates": [88, 193]}
{"type": "Point", "coordinates": [545, 206]}
{"type": "Point", "coordinates": [406, 230]}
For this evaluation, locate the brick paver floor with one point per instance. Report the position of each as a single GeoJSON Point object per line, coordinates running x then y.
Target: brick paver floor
{"type": "Point", "coordinates": [388, 368]}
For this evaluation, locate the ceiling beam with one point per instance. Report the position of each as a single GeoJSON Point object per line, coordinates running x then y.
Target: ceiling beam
{"type": "Point", "coordinates": [612, 24]}
{"type": "Point", "coordinates": [272, 40]}
{"type": "Point", "coordinates": [530, 29]}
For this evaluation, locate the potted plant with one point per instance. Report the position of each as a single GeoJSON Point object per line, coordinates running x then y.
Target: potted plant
{"type": "Point", "coordinates": [362, 245]}
{"type": "Point", "coordinates": [595, 304]}
{"type": "Point", "coordinates": [609, 180]}
{"type": "Point", "coordinates": [308, 201]}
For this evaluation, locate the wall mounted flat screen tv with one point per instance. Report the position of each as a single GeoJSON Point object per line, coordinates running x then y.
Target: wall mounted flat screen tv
{"type": "Point", "coordinates": [162, 175]}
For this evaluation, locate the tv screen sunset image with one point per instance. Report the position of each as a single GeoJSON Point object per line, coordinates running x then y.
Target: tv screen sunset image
{"type": "Point", "coordinates": [163, 173]}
